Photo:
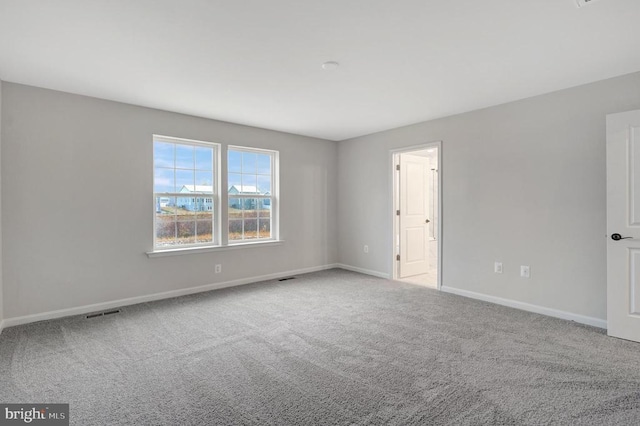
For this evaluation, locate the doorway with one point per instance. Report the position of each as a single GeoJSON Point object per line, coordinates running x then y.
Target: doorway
{"type": "Point", "coordinates": [417, 215]}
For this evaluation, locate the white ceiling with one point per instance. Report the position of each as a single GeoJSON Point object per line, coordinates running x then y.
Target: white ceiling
{"type": "Point", "coordinates": [258, 62]}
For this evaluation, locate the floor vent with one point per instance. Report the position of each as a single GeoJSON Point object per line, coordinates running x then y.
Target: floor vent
{"type": "Point", "coordinates": [287, 279]}
{"type": "Point", "coordinates": [102, 314]}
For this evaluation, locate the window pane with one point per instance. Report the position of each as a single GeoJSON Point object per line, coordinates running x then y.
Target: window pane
{"type": "Point", "coordinates": [186, 210]}
{"type": "Point", "coordinates": [249, 184]}
{"type": "Point", "coordinates": [204, 182]}
{"type": "Point", "coordinates": [235, 229]}
{"type": "Point", "coordinates": [264, 185]}
{"type": "Point", "coordinates": [186, 232]}
{"type": "Point", "coordinates": [250, 215]}
{"type": "Point", "coordinates": [264, 228]}
{"type": "Point", "coordinates": [165, 232]}
{"type": "Point", "coordinates": [164, 180]}
{"type": "Point", "coordinates": [204, 158]}
{"type": "Point", "coordinates": [165, 221]}
{"type": "Point", "coordinates": [207, 212]}
{"type": "Point", "coordinates": [163, 154]}
{"type": "Point", "coordinates": [165, 205]}
{"type": "Point", "coordinates": [249, 162]}
{"type": "Point", "coordinates": [235, 183]}
{"type": "Point", "coordinates": [184, 156]}
{"type": "Point", "coordinates": [250, 207]}
{"type": "Point", "coordinates": [264, 164]}
{"type": "Point", "coordinates": [204, 231]}
{"type": "Point", "coordinates": [264, 207]}
{"type": "Point", "coordinates": [235, 162]}
{"type": "Point", "coordinates": [195, 204]}
{"type": "Point", "coordinates": [235, 207]}
{"type": "Point", "coordinates": [250, 229]}
{"type": "Point", "coordinates": [185, 181]}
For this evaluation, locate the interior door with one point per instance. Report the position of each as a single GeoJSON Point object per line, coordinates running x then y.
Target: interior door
{"type": "Point", "coordinates": [623, 225]}
{"type": "Point", "coordinates": [414, 211]}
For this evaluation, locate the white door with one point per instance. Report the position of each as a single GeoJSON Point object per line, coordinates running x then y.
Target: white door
{"type": "Point", "coordinates": [414, 211]}
{"type": "Point", "coordinates": [623, 225]}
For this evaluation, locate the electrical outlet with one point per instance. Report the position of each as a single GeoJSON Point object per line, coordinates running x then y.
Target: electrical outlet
{"type": "Point", "coordinates": [218, 269]}
{"type": "Point", "coordinates": [497, 267]}
{"type": "Point", "coordinates": [366, 249]}
{"type": "Point", "coordinates": [525, 272]}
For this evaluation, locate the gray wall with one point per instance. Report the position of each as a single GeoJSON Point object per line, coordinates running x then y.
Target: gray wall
{"type": "Point", "coordinates": [1, 285]}
{"type": "Point", "coordinates": [77, 206]}
{"type": "Point", "coordinates": [523, 183]}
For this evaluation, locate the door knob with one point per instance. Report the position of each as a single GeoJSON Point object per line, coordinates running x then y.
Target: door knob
{"type": "Point", "coordinates": [427, 221]}
{"type": "Point", "coordinates": [618, 237]}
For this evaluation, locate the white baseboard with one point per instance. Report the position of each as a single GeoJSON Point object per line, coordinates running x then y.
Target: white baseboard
{"type": "Point", "coordinates": [363, 271]}
{"type": "Point", "coordinates": [595, 322]}
{"type": "Point", "coordinates": [10, 322]}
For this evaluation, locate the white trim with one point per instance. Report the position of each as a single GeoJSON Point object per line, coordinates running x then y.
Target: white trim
{"type": "Point", "coordinates": [394, 207]}
{"type": "Point", "coordinates": [184, 141]}
{"type": "Point", "coordinates": [251, 149]}
{"type": "Point", "coordinates": [205, 249]}
{"type": "Point", "coordinates": [582, 319]}
{"type": "Point", "coordinates": [363, 271]}
{"type": "Point", "coordinates": [10, 322]}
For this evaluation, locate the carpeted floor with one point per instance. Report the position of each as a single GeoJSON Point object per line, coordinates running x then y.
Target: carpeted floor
{"type": "Point", "coordinates": [332, 347]}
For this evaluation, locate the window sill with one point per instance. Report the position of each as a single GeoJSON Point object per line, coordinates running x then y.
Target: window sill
{"type": "Point", "coordinates": [197, 250]}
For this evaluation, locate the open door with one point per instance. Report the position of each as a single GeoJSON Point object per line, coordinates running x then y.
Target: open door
{"type": "Point", "coordinates": [414, 215]}
{"type": "Point", "coordinates": [623, 225]}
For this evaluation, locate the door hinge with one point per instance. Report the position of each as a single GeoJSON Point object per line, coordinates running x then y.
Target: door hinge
{"type": "Point", "coordinates": [397, 212]}
{"type": "Point", "coordinates": [397, 166]}
{"type": "Point", "coordinates": [397, 257]}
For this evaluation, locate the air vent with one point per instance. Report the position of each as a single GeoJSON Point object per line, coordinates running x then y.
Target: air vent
{"type": "Point", "coordinates": [102, 314]}
{"type": "Point", "coordinates": [287, 279]}
{"type": "Point", "coordinates": [585, 2]}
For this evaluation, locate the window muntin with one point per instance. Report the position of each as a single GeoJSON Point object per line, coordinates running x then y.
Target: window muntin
{"type": "Point", "coordinates": [185, 192]}
{"type": "Point", "coordinates": [252, 199]}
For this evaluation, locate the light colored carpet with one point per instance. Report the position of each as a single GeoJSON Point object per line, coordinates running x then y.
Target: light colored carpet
{"type": "Point", "coordinates": [332, 347]}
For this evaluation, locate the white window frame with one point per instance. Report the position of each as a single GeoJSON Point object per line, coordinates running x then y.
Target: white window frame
{"type": "Point", "coordinates": [217, 207]}
{"type": "Point", "coordinates": [273, 197]}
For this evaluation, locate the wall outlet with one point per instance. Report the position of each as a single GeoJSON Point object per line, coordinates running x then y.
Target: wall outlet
{"type": "Point", "coordinates": [525, 272]}
{"type": "Point", "coordinates": [497, 267]}
{"type": "Point", "coordinates": [366, 249]}
{"type": "Point", "coordinates": [218, 269]}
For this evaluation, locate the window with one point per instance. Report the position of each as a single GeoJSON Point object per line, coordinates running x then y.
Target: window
{"type": "Point", "coordinates": [252, 195]}
{"type": "Point", "coordinates": [185, 192]}
{"type": "Point", "coordinates": [186, 199]}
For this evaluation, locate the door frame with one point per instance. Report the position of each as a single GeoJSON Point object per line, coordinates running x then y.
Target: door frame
{"type": "Point", "coordinates": [394, 196]}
